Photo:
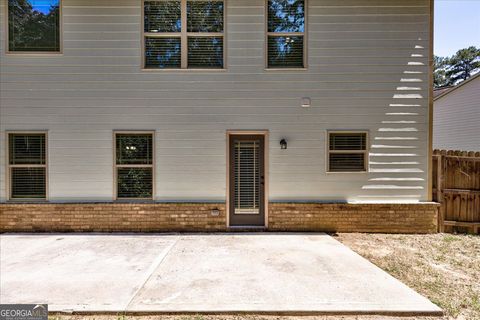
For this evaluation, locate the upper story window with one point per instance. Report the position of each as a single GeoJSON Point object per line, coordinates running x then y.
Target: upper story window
{"type": "Point", "coordinates": [27, 165]}
{"type": "Point", "coordinates": [34, 25]}
{"type": "Point", "coordinates": [181, 34]}
{"type": "Point", "coordinates": [347, 151]}
{"type": "Point", "coordinates": [286, 34]}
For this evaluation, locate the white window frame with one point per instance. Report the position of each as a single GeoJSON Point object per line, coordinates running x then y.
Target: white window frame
{"type": "Point", "coordinates": [183, 35]}
{"type": "Point", "coordinates": [9, 166]}
{"type": "Point", "coordinates": [365, 152]}
{"type": "Point", "coordinates": [117, 166]}
{"type": "Point", "coordinates": [34, 53]}
{"type": "Point", "coordinates": [286, 34]}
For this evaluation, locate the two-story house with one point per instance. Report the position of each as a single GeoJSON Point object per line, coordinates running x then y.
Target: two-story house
{"type": "Point", "coordinates": [156, 115]}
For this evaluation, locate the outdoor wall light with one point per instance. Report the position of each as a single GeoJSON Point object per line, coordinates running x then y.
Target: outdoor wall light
{"type": "Point", "coordinates": [283, 144]}
{"type": "Point", "coordinates": [306, 102]}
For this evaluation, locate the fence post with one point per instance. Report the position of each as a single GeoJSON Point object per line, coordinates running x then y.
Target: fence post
{"type": "Point", "coordinates": [440, 174]}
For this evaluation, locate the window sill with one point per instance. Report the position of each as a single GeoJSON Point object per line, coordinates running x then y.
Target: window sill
{"type": "Point", "coordinates": [27, 201]}
{"type": "Point", "coordinates": [183, 70]}
{"type": "Point", "coordinates": [134, 200]}
{"type": "Point", "coordinates": [335, 172]}
{"type": "Point", "coordinates": [285, 69]}
{"type": "Point", "coordinates": [33, 54]}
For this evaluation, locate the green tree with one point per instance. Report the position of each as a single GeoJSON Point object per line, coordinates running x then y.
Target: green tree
{"type": "Point", "coordinates": [457, 68]}
{"type": "Point", "coordinates": [463, 64]}
{"type": "Point", "coordinates": [32, 30]}
{"type": "Point", "coordinates": [439, 73]}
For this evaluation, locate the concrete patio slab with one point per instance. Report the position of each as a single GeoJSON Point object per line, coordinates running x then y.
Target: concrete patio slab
{"type": "Point", "coordinates": [263, 272]}
{"type": "Point", "coordinates": [77, 272]}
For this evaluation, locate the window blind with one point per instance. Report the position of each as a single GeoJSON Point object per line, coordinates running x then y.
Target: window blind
{"type": "Point", "coordinates": [347, 162]}
{"type": "Point", "coordinates": [286, 34]}
{"type": "Point", "coordinates": [162, 16]}
{"type": "Point", "coordinates": [27, 148]}
{"type": "Point", "coordinates": [162, 52]}
{"type": "Point", "coordinates": [347, 152]}
{"type": "Point", "coordinates": [247, 177]}
{"type": "Point", "coordinates": [205, 52]}
{"type": "Point", "coordinates": [134, 182]}
{"type": "Point", "coordinates": [34, 25]}
{"type": "Point", "coordinates": [205, 16]}
{"type": "Point", "coordinates": [28, 183]}
{"type": "Point", "coordinates": [285, 52]}
{"type": "Point", "coordinates": [134, 165]}
{"type": "Point", "coordinates": [27, 165]}
{"type": "Point", "coordinates": [348, 141]}
{"type": "Point", "coordinates": [197, 44]}
{"type": "Point", "coordinates": [286, 16]}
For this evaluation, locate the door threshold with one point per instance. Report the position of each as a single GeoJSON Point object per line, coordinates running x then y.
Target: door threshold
{"type": "Point", "coordinates": [247, 228]}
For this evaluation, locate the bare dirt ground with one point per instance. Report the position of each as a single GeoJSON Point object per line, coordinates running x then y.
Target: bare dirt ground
{"type": "Point", "coordinates": [443, 267]}
{"type": "Point", "coordinates": [235, 317]}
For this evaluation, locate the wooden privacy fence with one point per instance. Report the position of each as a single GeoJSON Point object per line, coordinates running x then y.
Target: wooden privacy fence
{"type": "Point", "coordinates": [456, 186]}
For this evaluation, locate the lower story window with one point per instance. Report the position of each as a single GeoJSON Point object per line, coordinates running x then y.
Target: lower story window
{"type": "Point", "coordinates": [134, 165]}
{"type": "Point", "coordinates": [347, 151]}
{"type": "Point", "coordinates": [27, 165]}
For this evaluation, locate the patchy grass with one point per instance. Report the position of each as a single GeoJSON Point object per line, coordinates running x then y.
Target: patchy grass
{"type": "Point", "coordinates": [443, 267]}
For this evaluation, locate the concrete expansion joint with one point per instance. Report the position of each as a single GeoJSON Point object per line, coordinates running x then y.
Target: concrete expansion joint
{"type": "Point", "coordinates": [154, 266]}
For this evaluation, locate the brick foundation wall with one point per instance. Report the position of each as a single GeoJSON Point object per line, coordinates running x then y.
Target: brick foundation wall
{"type": "Point", "coordinates": [383, 218]}
{"type": "Point", "coordinates": [111, 217]}
{"type": "Point", "coordinates": [161, 217]}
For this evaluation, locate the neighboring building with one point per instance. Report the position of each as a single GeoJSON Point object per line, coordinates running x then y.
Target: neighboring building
{"type": "Point", "coordinates": [128, 115]}
{"type": "Point", "coordinates": [440, 91]}
{"type": "Point", "coordinates": [456, 117]}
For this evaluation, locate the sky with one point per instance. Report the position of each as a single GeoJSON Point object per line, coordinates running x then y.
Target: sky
{"type": "Point", "coordinates": [457, 25]}
{"type": "Point", "coordinates": [43, 5]}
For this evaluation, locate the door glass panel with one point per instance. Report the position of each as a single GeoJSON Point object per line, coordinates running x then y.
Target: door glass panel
{"type": "Point", "coordinates": [247, 177]}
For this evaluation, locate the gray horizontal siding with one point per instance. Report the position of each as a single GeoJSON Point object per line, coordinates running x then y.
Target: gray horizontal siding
{"type": "Point", "coordinates": [367, 69]}
{"type": "Point", "coordinates": [456, 124]}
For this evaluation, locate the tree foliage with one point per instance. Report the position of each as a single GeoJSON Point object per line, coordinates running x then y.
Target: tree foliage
{"type": "Point", "coordinates": [162, 16]}
{"type": "Point", "coordinates": [31, 29]}
{"type": "Point", "coordinates": [286, 16]}
{"type": "Point", "coordinates": [134, 149]}
{"type": "Point", "coordinates": [457, 68]}
{"type": "Point", "coordinates": [205, 16]}
{"type": "Point", "coordinates": [440, 74]}
{"type": "Point", "coordinates": [166, 16]}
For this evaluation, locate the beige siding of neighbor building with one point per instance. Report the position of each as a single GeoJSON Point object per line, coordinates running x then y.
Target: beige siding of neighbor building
{"type": "Point", "coordinates": [456, 121]}
{"type": "Point", "coordinates": [367, 71]}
